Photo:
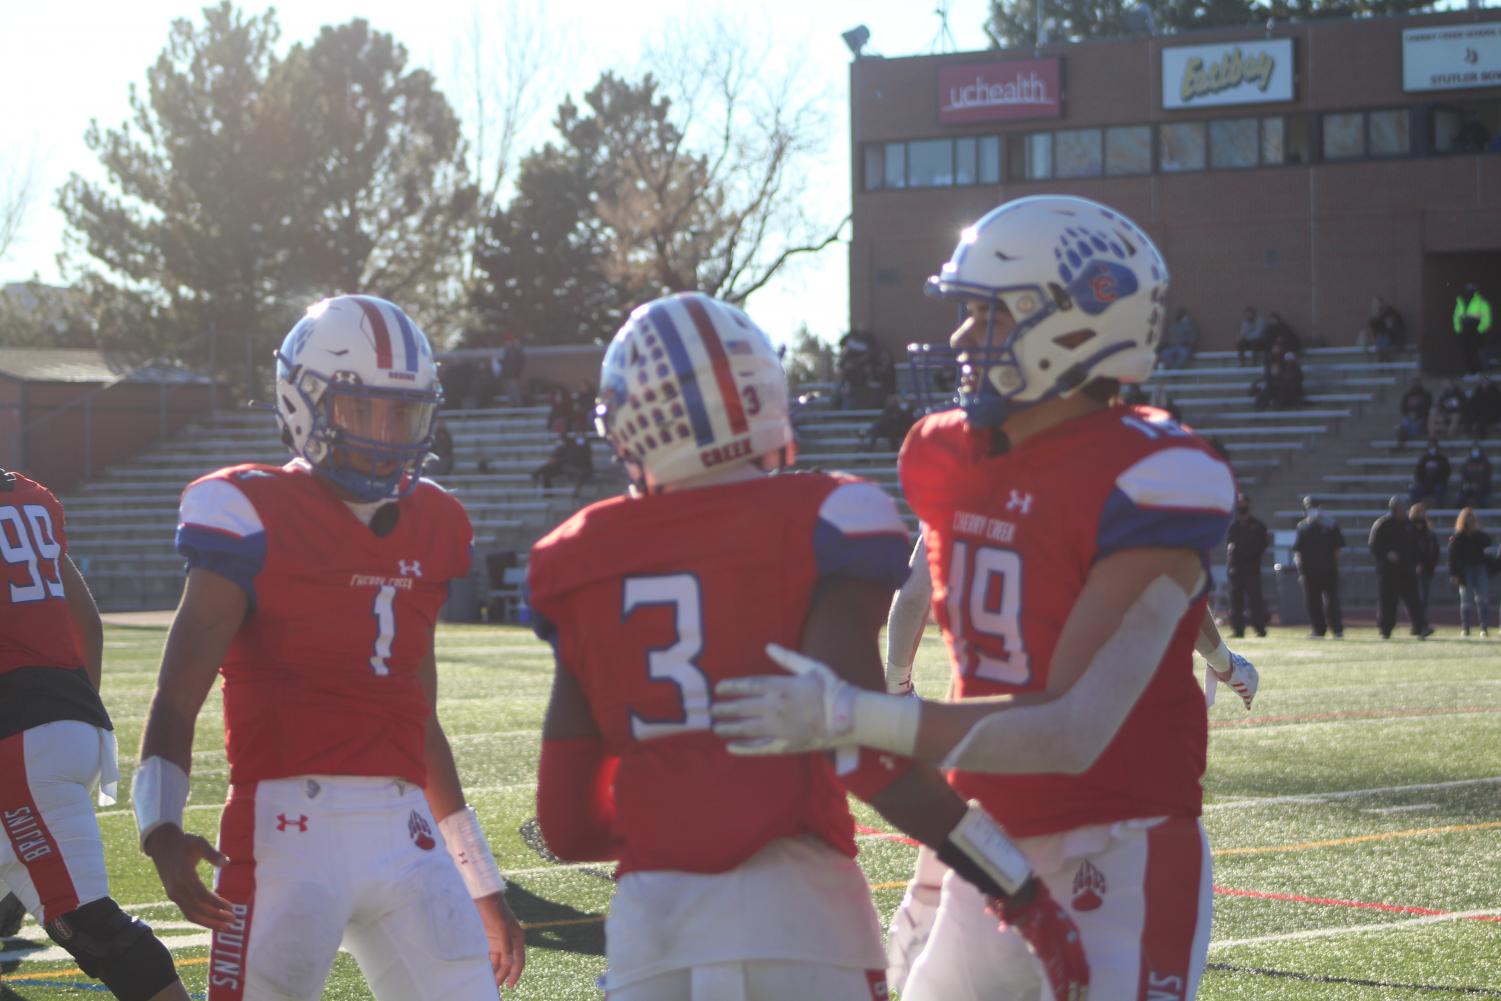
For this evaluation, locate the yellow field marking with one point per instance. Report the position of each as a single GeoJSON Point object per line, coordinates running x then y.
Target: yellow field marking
{"type": "Point", "coordinates": [75, 972]}
{"type": "Point", "coordinates": [1358, 839]}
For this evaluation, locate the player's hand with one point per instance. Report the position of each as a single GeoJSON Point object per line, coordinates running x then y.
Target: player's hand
{"type": "Point", "coordinates": [176, 856]}
{"type": "Point", "coordinates": [506, 937]}
{"type": "Point", "coordinates": [1051, 935]}
{"type": "Point", "coordinates": [913, 921]}
{"type": "Point", "coordinates": [777, 714]}
{"type": "Point", "coordinates": [1243, 678]}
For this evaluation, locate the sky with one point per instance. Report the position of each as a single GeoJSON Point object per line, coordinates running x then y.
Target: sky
{"type": "Point", "coordinates": [65, 64]}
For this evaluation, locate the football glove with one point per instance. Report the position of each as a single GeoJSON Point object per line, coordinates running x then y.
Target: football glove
{"type": "Point", "coordinates": [1242, 679]}
{"type": "Point", "coordinates": [913, 921]}
{"type": "Point", "coordinates": [1051, 935]}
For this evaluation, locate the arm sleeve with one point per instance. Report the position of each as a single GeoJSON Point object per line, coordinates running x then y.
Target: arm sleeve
{"type": "Point", "coordinates": [859, 534]}
{"type": "Point", "coordinates": [1177, 497]}
{"type": "Point", "coordinates": [219, 529]}
{"type": "Point", "coordinates": [909, 614]}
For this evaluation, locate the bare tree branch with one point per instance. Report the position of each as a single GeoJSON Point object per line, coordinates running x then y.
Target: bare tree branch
{"type": "Point", "coordinates": [16, 190]}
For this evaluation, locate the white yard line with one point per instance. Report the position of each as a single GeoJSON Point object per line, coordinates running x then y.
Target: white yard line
{"type": "Point", "coordinates": [1292, 936]}
{"type": "Point", "coordinates": [1398, 717]}
{"type": "Point", "coordinates": [1320, 797]}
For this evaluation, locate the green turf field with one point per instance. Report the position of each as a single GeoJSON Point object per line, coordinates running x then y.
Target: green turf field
{"type": "Point", "coordinates": [1355, 818]}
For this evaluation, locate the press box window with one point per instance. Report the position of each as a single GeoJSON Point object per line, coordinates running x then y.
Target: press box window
{"type": "Point", "coordinates": [1032, 158]}
{"type": "Point", "coordinates": [1078, 153]}
{"type": "Point", "coordinates": [1344, 136]}
{"type": "Point", "coordinates": [930, 164]}
{"type": "Point", "coordinates": [1180, 146]}
{"type": "Point", "coordinates": [1128, 150]}
{"type": "Point", "coordinates": [1234, 142]}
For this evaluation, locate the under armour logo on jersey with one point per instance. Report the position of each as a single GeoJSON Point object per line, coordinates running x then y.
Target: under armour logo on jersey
{"type": "Point", "coordinates": [422, 834]}
{"type": "Point", "coordinates": [1020, 502]}
{"type": "Point", "coordinates": [410, 568]}
{"type": "Point", "coordinates": [283, 822]}
{"type": "Point", "coordinates": [1089, 888]}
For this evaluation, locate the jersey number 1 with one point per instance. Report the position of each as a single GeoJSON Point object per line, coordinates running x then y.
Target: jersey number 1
{"type": "Point", "coordinates": [673, 663]}
{"type": "Point", "coordinates": [385, 624]}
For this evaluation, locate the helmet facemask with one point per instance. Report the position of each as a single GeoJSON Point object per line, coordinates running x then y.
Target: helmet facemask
{"type": "Point", "coordinates": [370, 442]}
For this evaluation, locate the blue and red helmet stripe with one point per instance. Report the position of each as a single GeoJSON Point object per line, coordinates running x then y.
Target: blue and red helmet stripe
{"type": "Point", "coordinates": [682, 367]}
{"type": "Point", "coordinates": [718, 361]}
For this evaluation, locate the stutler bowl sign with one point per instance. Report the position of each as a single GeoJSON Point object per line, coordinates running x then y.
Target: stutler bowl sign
{"type": "Point", "coordinates": [999, 91]}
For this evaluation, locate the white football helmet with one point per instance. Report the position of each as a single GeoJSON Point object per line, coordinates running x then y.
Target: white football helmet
{"type": "Point", "coordinates": [1085, 286]}
{"type": "Point", "coordinates": [689, 386]}
{"type": "Point", "coordinates": [356, 390]}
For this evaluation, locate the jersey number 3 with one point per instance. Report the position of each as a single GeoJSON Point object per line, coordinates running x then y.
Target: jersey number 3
{"type": "Point", "coordinates": [984, 607]}
{"type": "Point", "coordinates": [673, 663]}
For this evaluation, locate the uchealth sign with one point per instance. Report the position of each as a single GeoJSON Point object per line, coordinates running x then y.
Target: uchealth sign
{"type": "Point", "coordinates": [1197, 76]}
{"type": "Point", "coordinates": [999, 91]}
{"type": "Point", "coordinates": [1451, 56]}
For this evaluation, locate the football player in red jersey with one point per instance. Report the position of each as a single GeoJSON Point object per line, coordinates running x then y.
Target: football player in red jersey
{"type": "Point", "coordinates": [1068, 539]}
{"type": "Point", "coordinates": [736, 876]}
{"type": "Point", "coordinates": [56, 743]}
{"type": "Point", "coordinates": [314, 589]}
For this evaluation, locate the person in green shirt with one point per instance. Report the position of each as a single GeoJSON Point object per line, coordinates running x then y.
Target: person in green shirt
{"type": "Point", "coordinates": [1472, 321]}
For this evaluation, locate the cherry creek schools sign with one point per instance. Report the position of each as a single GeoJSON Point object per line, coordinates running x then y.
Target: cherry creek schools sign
{"type": "Point", "coordinates": [1196, 76]}
{"type": "Point", "coordinates": [1451, 56]}
{"type": "Point", "coordinates": [999, 91]}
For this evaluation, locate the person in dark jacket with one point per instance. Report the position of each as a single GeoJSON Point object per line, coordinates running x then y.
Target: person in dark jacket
{"type": "Point", "coordinates": [1316, 554]}
{"type": "Point", "coordinates": [1427, 545]}
{"type": "Point", "coordinates": [1484, 406]}
{"type": "Point", "coordinates": [1475, 479]}
{"type": "Point", "coordinates": [1469, 553]}
{"type": "Point", "coordinates": [1430, 477]}
{"type": "Point", "coordinates": [1414, 407]}
{"type": "Point", "coordinates": [1394, 547]}
{"type": "Point", "coordinates": [1244, 547]}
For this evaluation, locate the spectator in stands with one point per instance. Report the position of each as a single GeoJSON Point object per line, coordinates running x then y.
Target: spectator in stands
{"type": "Point", "coordinates": [1472, 322]}
{"type": "Point", "coordinates": [512, 371]}
{"type": "Point", "coordinates": [890, 426]}
{"type": "Point", "coordinates": [440, 462]}
{"type": "Point", "coordinates": [1279, 337]}
{"type": "Point", "coordinates": [1316, 555]}
{"type": "Point", "coordinates": [1281, 385]}
{"type": "Point", "coordinates": [1484, 406]}
{"type": "Point", "coordinates": [1413, 408]}
{"type": "Point", "coordinates": [1384, 330]}
{"type": "Point", "coordinates": [1394, 546]}
{"type": "Point", "coordinates": [1430, 477]}
{"type": "Point", "coordinates": [1449, 412]}
{"type": "Point", "coordinates": [1252, 335]}
{"type": "Point", "coordinates": [559, 410]}
{"type": "Point", "coordinates": [486, 382]}
{"type": "Point", "coordinates": [1178, 341]}
{"type": "Point", "coordinates": [1469, 570]}
{"type": "Point", "coordinates": [1475, 479]}
{"type": "Point", "coordinates": [581, 420]}
{"type": "Point", "coordinates": [1427, 545]}
{"type": "Point", "coordinates": [1244, 547]}
{"type": "Point", "coordinates": [571, 459]}
{"type": "Point", "coordinates": [853, 367]}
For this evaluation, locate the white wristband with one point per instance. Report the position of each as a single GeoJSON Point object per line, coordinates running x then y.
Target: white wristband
{"type": "Point", "coordinates": [884, 722]}
{"type": "Point", "coordinates": [159, 794]}
{"type": "Point", "coordinates": [981, 838]}
{"type": "Point", "coordinates": [471, 853]}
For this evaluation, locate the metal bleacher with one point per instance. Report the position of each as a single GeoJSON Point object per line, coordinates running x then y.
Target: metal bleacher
{"type": "Point", "coordinates": [121, 524]}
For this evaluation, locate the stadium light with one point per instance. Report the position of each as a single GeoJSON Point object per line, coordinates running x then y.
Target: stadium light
{"type": "Point", "coordinates": [856, 38]}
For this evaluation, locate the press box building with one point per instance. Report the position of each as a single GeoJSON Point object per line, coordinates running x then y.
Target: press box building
{"type": "Point", "coordinates": [1301, 168]}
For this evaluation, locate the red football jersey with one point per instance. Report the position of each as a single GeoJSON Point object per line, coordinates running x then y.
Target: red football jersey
{"type": "Point", "coordinates": [322, 676]}
{"type": "Point", "coordinates": [651, 601]}
{"type": "Point", "coordinates": [1011, 539]}
{"type": "Point", "coordinates": [38, 630]}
